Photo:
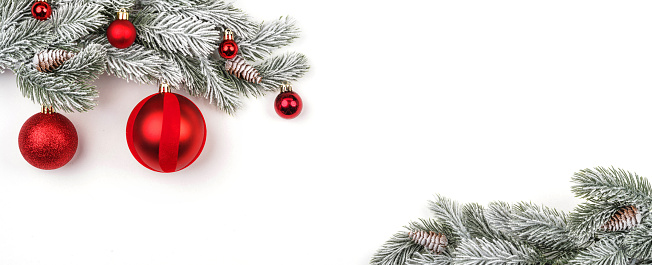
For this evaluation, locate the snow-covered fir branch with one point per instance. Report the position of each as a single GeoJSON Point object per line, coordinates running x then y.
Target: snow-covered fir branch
{"type": "Point", "coordinates": [176, 43]}
{"type": "Point", "coordinates": [613, 227]}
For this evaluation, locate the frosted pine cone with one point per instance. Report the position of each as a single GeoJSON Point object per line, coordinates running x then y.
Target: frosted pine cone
{"type": "Point", "coordinates": [239, 67]}
{"type": "Point", "coordinates": [624, 219]}
{"type": "Point", "coordinates": [435, 242]}
{"type": "Point", "coordinates": [48, 61]}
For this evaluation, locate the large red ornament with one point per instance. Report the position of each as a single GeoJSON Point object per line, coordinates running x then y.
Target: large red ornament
{"type": "Point", "coordinates": [48, 140]}
{"type": "Point", "coordinates": [228, 48]}
{"type": "Point", "coordinates": [121, 33]}
{"type": "Point", "coordinates": [41, 10]}
{"type": "Point", "coordinates": [166, 132]}
{"type": "Point", "coordinates": [288, 104]}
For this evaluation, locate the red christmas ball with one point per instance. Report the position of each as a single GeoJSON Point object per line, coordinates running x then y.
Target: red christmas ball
{"type": "Point", "coordinates": [228, 49]}
{"type": "Point", "coordinates": [166, 132]}
{"type": "Point", "coordinates": [288, 105]}
{"type": "Point", "coordinates": [41, 10]}
{"type": "Point", "coordinates": [48, 141]}
{"type": "Point", "coordinates": [121, 33]}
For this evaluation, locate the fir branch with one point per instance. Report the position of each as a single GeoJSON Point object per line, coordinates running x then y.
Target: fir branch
{"type": "Point", "coordinates": [139, 64]}
{"type": "Point", "coordinates": [114, 5]}
{"type": "Point", "coordinates": [499, 216]}
{"type": "Point", "coordinates": [87, 65]}
{"type": "Point", "coordinates": [217, 91]}
{"type": "Point", "coordinates": [587, 218]}
{"type": "Point", "coordinates": [271, 36]}
{"type": "Point", "coordinates": [12, 12]}
{"type": "Point", "coordinates": [400, 247]}
{"type": "Point", "coordinates": [19, 44]}
{"type": "Point", "coordinates": [276, 71]}
{"type": "Point", "coordinates": [481, 251]}
{"type": "Point", "coordinates": [77, 19]}
{"type": "Point", "coordinates": [477, 223]}
{"type": "Point", "coordinates": [395, 251]}
{"type": "Point", "coordinates": [449, 213]}
{"type": "Point", "coordinates": [193, 78]}
{"type": "Point", "coordinates": [62, 94]}
{"type": "Point", "coordinates": [222, 15]}
{"type": "Point", "coordinates": [176, 34]}
{"type": "Point", "coordinates": [543, 227]}
{"type": "Point", "coordinates": [639, 240]}
{"type": "Point", "coordinates": [604, 252]}
{"type": "Point", "coordinates": [429, 259]}
{"type": "Point", "coordinates": [612, 185]}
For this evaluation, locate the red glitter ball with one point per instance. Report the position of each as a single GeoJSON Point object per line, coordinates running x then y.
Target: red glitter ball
{"type": "Point", "coordinates": [48, 141]}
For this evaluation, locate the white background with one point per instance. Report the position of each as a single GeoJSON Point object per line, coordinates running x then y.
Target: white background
{"type": "Point", "coordinates": [474, 100]}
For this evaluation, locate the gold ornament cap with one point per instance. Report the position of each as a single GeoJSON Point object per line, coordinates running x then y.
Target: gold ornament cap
{"type": "Point", "coordinates": [164, 88]}
{"type": "Point", "coordinates": [47, 109]}
{"type": "Point", "coordinates": [286, 87]}
{"type": "Point", "coordinates": [228, 34]}
{"type": "Point", "coordinates": [123, 14]}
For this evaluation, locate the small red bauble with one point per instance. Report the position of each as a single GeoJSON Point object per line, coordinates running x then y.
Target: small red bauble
{"type": "Point", "coordinates": [166, 132]}
{"type": "Point", "coordinates": [288, 104]}
{"type": "Point", "coordinates": [48, 140]}
{"type": "Point", "coordinates": [228, 48]}
{"type": "Point", "coordinates": [121, 33]}
{"type": "Point", "coordinates": [41, 10]}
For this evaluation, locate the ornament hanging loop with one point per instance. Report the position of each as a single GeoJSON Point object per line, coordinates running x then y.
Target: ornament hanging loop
{"type": "Point", "coordinates": [164, 87]}
{"type": "Point", "coordinates": [286, 87]}
{"type": "Point", "coordinates": [47, 109]}
{"type": "Point", "coordinates": [123, 14]}
{"type": "Point", "coordinates": [228, 34]}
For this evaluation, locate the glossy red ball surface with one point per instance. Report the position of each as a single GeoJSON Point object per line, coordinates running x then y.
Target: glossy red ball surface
{"type": "Point", "coordinates": [121, 34]}
{"type": "Point", "coordinates": [288, 105]}
{"type": "Point", "coordinates": [166, 132]}
{"type": "Point", "coordinates": [228, 49]}
{"type": "Point", "coordinates": [48, 141]}
{"type": "Point", "coordinates": [41, 10]}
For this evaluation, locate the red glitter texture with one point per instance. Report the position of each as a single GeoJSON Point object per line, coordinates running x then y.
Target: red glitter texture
{"type": "Point", "coordinates": [48, 141]}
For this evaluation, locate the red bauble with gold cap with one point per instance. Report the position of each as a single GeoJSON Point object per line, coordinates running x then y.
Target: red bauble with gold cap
{"type": "Point", "coordinates": [41, 10]}
{"type": "Point", "coordinates": [288, 104]}
{"type": "Point", "coordinates": [121, 33]}
{"type": "Point", "coordinates": [228, 49]}
{"type": "Point", "coordinates": [48, 140]}
{"type": "Point", "coordinates": [166, 132]}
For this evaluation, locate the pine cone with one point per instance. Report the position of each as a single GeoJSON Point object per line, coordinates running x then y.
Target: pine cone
{"type": "Point", "coordinates": [239, 67]}
{"type": "Point", "coordinates": [624, 219]}
{"type": "Point", "coordinates": [432, 241]}
{"type": "Point", "coordinates": [48, 61]}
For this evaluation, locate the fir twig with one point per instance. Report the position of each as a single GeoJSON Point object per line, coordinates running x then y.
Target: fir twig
{"type": "Point", "coordinates": [481, 251]}
{"type": "Point", "coordinates": [543, 227]}
{"type": "Point", "coordinates": [450, 215]}
{"type": "Point", "coordinates": [175, 33]}
{"type": "Point", "coordinates": [639, 240]}
{"type": "Point", "coordinates": [74, 20]}
{"type": "Point", "coordinates": [271, 36]}
{"type": "Point", "coordinates": [604, 252]}
{"type": "Point", "coordinates": [612, 185]}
